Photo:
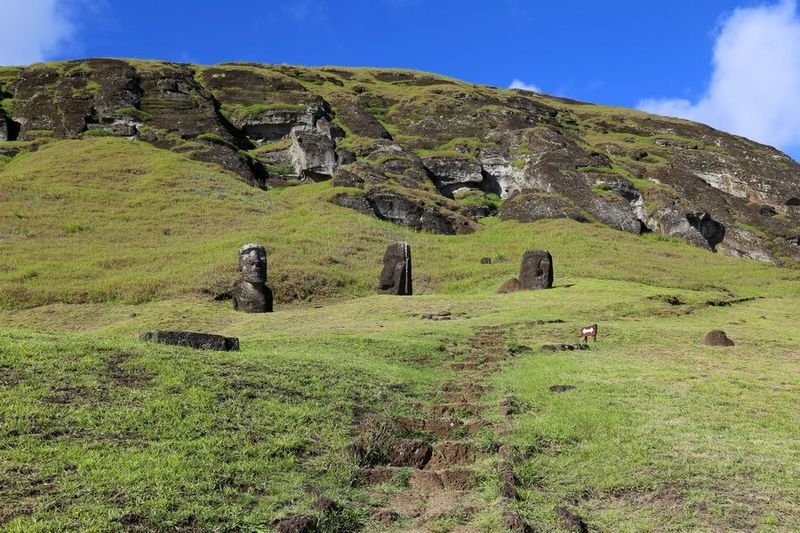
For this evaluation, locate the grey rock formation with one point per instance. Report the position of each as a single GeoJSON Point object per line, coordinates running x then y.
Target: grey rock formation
{"type": "Point", "coordinates": [406, 211]}
{"type": "Point", "coordinates": [504, 175]}
{"type": "Point", "coordinates": [313, 154]}
{"type": "Point", "coordinates": [189, 339]}
{"type": "Point", "coordinates": [741, 243]}
{"type": "Point", "coordinates": [452, 173]}
{"type": "Point", "coordinates": [529, 207]}
{"type": "Point", "coordinates": [536, 271]}
{"type": "Point", "coordinates": [671, 221]}
{"type": "Point", "coordinates": [329, 129]}
{"type": "Point", "coordinates": [712, 231]}
{"type": "Point", "coordinates": [275, 124]}
{"type": "Point", "coordinates": [396, 275]}
{"type": "Point", "coordinates": [357, 202]}
{"type": "Point", "coordinates": [251, 294]}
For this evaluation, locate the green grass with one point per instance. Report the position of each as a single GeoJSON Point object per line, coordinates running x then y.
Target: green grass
{"type": "Point", "coordinates": [216, 139]}
{"type": "Point", "coordinates": [7, 104]}
{"type": "Point", "coordinates": [137, 114]}
{"type": "Point", "coordinates": [280, 169]}
{"type": "Point", "coordinates": [101, 239]}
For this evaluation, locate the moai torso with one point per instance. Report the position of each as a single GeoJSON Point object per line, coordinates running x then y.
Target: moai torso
{"type": "Point", "coordinates": [251, 294]}
{"type": "Point", "coordinates": [536, 271]}
{"type": "Point", "coordinates": [396, 275]}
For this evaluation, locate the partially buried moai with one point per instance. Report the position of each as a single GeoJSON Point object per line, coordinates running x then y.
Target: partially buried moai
{"type": "Point", "coordinates": [536, 271]}
{"type": "Point", "coordinates": [251, 294]}
{"type": "Point", "coordinates": [396, 274]}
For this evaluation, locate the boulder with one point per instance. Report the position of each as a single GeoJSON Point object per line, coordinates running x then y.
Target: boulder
{"type": "Point", "coordinates": [396, 275]}
{"type": "Point", "coordinates": [741, 243]}
{"type": "Point", "coordinates": [718, 338]}
{"type": "Point", "coordinates": [198, 341]}
{"type": "Point", "coordinates": [536, 271]}
{"type": "Point", "coordinates": [313, 154]}
{"type": "Point", "coordinates": [408, 211]}
{"type": "Point", "coordinates": [345, 156]}
{"type": "Point", "coordinates": [357, 202]}
{"type": "Point", "coordinates": [509, 286]}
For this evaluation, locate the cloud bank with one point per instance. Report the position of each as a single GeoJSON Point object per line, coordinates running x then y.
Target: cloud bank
{"type": "Point", "coordinates": [519, 84]}
{"type": "Point", "coordinates": [755, 84]}
{"type": "Point", "coordinates": [33, 30]}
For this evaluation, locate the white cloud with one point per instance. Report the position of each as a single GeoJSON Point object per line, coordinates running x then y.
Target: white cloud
{"type": "Point", "coordinates": [33, 30]}
{"type": "Point", "coordinates": [519, 84]}
{"type": "Point", "coordinates": [755, 84]}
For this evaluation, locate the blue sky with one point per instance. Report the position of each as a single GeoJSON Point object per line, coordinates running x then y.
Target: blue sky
{"type": "Point", "coordinates": [685, 57]}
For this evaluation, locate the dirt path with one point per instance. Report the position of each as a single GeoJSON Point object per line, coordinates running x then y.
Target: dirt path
{"type": "Point", "coordinates": [434, 455]}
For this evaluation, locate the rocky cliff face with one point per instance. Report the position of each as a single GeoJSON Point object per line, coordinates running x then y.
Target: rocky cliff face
{"type": "Point", "coordinates": [424, 151]}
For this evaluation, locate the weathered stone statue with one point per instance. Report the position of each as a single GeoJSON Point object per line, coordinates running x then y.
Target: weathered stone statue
{"type": "Point", "coordinates": [251, 294]}
{"type": "Point", "coordinates": [396, 275]}
{"type": "Point", "coordinates": [536, 271]}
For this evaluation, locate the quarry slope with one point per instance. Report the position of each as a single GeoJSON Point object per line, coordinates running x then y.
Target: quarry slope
{"type": "Point", "coordinates": [129, 187]}
{"type": "Point", "coordinates": [425, 151]}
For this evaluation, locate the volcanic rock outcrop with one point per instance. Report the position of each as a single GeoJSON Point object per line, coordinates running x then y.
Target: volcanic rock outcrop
{"type": "Point", "coordinates": [427, 152]}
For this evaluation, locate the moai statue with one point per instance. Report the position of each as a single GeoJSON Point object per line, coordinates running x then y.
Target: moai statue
{"type": "Point", "coordinates": [396, 275]}
{"type": "Point", "coordinates": [251, 294]}
{"type": "Point", "coordinates": [536, 271]}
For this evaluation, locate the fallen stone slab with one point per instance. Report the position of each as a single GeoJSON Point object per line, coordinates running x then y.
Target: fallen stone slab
{"type": "Point", "coordinates": [564, 347]}
{"type": "Point", "coordinates": [198, 341]}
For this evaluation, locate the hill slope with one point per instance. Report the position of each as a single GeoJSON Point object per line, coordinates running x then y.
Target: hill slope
{"type": "Point", "coordinates": [103, 237]}
{"type": "Point", "coordinates": [427, 151]}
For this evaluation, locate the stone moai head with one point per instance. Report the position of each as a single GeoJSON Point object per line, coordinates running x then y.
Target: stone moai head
{"type": "Point", "coordinates": [253, 263]}
{"type": "Point", "coordinates": [536, 271]}
{"type": "Point", "coordinates": [396, 274]}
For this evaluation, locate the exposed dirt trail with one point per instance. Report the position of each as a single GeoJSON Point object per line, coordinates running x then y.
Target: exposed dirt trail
{"type": "Point", "coordinates": [437, 447]}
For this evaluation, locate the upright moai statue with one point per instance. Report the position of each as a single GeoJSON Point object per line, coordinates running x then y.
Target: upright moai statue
{"type": "Point", "coordinates": [251, 294]}
{"type": "Point", "coordinates": [396, 275]}
{"type": "Point", "coordinates": [536, 271]}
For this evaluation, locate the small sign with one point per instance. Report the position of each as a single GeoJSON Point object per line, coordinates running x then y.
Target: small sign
{"type": "Point", "coordinates": [589, 331]}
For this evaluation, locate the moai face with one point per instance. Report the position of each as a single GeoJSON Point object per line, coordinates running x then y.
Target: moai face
{"type": "Point", "coordinates": [253, 263]}
{"type": "Point", "coordinates": [536, 271]}
{"type": "Point", "coordinates": [544, 266]}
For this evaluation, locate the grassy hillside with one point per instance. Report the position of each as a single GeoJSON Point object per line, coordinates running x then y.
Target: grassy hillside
{"type": "Point", "coordinates": [101, 239]}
